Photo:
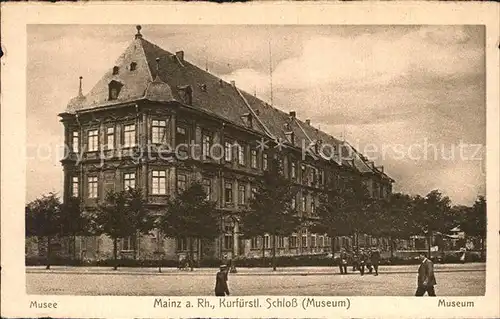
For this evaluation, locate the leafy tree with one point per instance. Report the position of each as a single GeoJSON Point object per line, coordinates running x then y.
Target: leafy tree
{"type": "Point", "coordinates": [271, 209]}
{"type": "Point", "coordinates": [395, 219]}
{"type": "Point", "coordinates": [73, 221]}
{"type": "Point", "coordinates": [141, 220]}
{"type": "Point", "coordinates": [334, 211]}
{"type": "Point", "coordinates": [430, 214]}
{"type": "Point", "coordinates": [43, 216]}
{"type": "Point", "coordinates": [475, 221]}
{"type": "Point", "coordinates": [190, 216]}
{"type": "Point", "coordinates": [122, 215]}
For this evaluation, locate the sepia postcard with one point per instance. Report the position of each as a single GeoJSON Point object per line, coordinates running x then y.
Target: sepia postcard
{"type": "Point", "coordinates": [250, 160]}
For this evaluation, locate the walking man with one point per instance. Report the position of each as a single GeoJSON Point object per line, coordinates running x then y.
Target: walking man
{"type": "Point", "coordinates": [375, 258]}
{"type": "Point", "coordinates": [221, 288]}
{"type": "Point", "coordinates": [343, 261]}
{"type": "Point", "coordinates": [362, 261]}
{"type": "Point", "coordinates": [426, 279]}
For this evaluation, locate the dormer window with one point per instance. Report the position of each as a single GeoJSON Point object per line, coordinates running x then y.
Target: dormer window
{"type": "Point", "coordinates": [114, 90]}
{"type": "Point", "coordinates": [133, 66]}
{"type": "Point", "coordinates": [115, 70]}
{"type": "Point", "coordinates": [186, 94]}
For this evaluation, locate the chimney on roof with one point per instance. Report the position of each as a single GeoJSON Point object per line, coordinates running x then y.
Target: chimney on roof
{"type": "Point", "coordinates": [292, 114]}
{"type": "Point", "coordinates": [233, 83]}
{"type": "Point", "coordinates": [380, 168]}
{"type": "Point", "coordinates": [80, 92]}
{"type": "Point", "coordinates": [308, 122]}
{"type": "Point", "coordinates": [221, 83]}
{"type": "Point", "coordinates": [180, 55]}
{"type": "Point", "coordinates": [138, 34]}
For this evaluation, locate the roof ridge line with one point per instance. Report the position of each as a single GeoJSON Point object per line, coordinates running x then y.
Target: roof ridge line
{"type": "Point", "coordinates": [253, 113]}
{"type": "Point", "coordinates": [147, 63]}
{"type": "Point", "coordinates": [302, 129]}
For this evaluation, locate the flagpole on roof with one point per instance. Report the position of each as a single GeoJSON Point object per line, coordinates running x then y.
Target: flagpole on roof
{"type": "Point", "coordinates": [271, 71]}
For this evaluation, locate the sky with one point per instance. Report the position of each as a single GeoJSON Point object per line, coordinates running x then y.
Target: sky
{"type": "Point", "coordinates": [411, 98]}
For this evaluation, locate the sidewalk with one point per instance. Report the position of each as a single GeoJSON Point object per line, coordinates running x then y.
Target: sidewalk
{"type": "Point", "coordinates": [281, 271]}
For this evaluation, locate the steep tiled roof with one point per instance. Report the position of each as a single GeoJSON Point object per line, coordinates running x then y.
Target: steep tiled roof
{"type": "Point", "coordinates": [172, 74]}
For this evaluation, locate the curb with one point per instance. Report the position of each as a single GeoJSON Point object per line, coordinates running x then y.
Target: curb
{"type": "Point", "coordinates": [194, 273]}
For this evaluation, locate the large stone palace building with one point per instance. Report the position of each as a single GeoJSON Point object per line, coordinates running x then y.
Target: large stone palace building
{"type": "Point", "coordinates": [131, 129]}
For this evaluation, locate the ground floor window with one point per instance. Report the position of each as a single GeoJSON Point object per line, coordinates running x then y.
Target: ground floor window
{"type": "Point", "coordinates": [292, 241]}
{"type": "Point", "coordinates": [228, 242]}
{"type": "Point", "coordinates": [267, 242]}
{"type": "Point", "coordinates": [127, 244]}
{"type": "Point", "coordinates": [304, 241]}
{"type": "Point", "coordinates": [254, 244]}
{"type": "Point", "coordinates": [181, 244]}
{"type": "Point", "coordinates": [280, 241]}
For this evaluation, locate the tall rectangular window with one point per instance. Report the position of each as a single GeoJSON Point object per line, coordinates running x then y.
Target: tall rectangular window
{"type": "Point", "coordinates": [158, 131]}
{"type": "Point", "coordinates": [313, 206]}
{"type": "Point", "coordinates": [181, 140]}
{"type": "Point", "coordinates": [128, 181]}
{"type": "Point", "coordinates": [92, 184]}
{"type": "Point", "coordinates": [254, 158]}
{"type": "Point", "coordinates": [127, 243]}
{"type": "Point", "coordinates": [129, 135]}
{"type": "Point", "coordinates": [181, 183]}
{"type": "Point", "coordinates": [181, 244]}
{"type": "Point", "coordinates": [74, 186]}
{"type": "Point", "coordinates": [110, 138]}
{"type": "Point", "coordinates": [228, 151]}
{"type": "Point", "coordinates": [206, 142]}
{"type": "Point", "coordinates": [321, 241]}
{"type": "Point", "coordinates": [228, 237]}
{"type": "Point", "coordinates": [228, 241]}
{"type": "Point", "coordinates": [207, 188]}
{"type": "Point", "coordinates": [264, 161]}
{"type": "Point", "coordinates": [294, 202]}
{"type": "Point", "coordinates": [280, 241]}
{"type": "Point", "coordinates": [159, 182]}
{"type": "Point", "coordinates": [313, 241]}
{"type": "Point", "coordinates": [75, 143]}
{"type": "Point", "coordinates": [303, 174]}
{"type": "Point", "coordinates": [93, 140]}
{"type": "Point", "coordinates": [228, 193]}
{"type": "Point", "coordinates": [292, 241]}
{"type": "Point", "coordinates": [254, 244]}
{"type": "Point", "coordinates": [241, 194]}
{"type": "Point", "coordinates": [304, 203]}
{"type": "Point", "coordinates": [304, 241]}
{"type": "Point", "coordinates": [241, 154]}
{"type": "Point", "coordinates": [267, 241]}
{"type": "Point", "coordinates": [293, 170]}
{"type": "Point", "coordinates": [254, 191]}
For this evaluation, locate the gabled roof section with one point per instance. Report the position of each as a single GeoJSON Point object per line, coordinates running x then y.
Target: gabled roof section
{"type": "Point", "coordinates": [135, 79]}
{"type": "Point", "coordinates": [208, 91]}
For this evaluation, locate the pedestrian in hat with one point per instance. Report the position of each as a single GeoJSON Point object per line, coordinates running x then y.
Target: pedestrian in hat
{"type": "Point", "coordinates": [221, 288]}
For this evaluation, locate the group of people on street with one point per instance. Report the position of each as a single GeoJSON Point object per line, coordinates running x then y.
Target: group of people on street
{"type": "Point", "coordinates": [368, 258]}
{"type": "Point", "coordinates": [426, 279]}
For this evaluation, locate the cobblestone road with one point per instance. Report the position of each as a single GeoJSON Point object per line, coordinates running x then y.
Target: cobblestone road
{"type": "Point", "coordinates": [453, 280]}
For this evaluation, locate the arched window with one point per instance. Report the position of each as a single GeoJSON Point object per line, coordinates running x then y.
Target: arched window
{"type": "Point", "coordinates": [115, 70]}
{"type": "Point", "coordinates": [133, 66]}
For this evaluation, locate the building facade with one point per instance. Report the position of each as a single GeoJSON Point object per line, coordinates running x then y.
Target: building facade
{"type": "Point", "coordinates": [157, 122]}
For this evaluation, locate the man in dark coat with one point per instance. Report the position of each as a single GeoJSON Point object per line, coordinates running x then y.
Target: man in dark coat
{"type": "Point", "coordinates": [362, 262]}
{"type": "Point", "coordinates": [221, 288]}
{"type": "Point", "coordinates": [375, 259]}
{"type": "Point", "coordinates": [343, 261]}
{"type": "Point", "coordinates": [426, 279]}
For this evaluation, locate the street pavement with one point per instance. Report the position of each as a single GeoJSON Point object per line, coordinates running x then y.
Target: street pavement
{"type": "Point", "coordinates": [453, 280]}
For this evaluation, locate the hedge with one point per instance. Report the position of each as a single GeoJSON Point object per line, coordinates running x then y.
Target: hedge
{"type": "Point", "coordinates": [281, 261]}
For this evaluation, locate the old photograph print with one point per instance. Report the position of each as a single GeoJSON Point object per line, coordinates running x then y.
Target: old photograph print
{"type": "Point", "coordinates": [286, 160]}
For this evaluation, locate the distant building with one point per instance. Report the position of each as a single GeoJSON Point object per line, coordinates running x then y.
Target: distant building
{"type": "Point", "coordinates": [152, 98]}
